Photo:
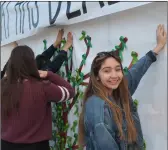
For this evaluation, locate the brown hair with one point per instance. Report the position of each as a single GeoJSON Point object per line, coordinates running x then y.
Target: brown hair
{"type": "Point", "coordinates": [21, 65]}
{"type": "Point", "coordinates": [121, 93]}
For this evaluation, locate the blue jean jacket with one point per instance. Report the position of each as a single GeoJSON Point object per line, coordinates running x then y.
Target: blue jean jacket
{"type": "Point", "coordinates": [100, 128]}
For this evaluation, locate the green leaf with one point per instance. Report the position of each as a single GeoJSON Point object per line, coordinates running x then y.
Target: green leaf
{"type": "Point", "coordinates": [88, 38]}
{"type": "Point", "coordinates": [69, 141]}
{"type": "Point", "coordinates": [136, 103]}
{"type": "Point", "coordinates": [125, 70]}
{"type": "Point", "coordinates": [83, 35]}
{"type": "Point", "coordinates": [45, 44]}
{"type": "Point", "coordinates": [134, 56]}
{"type": "Point", "coordinates": [76, 111]}
{"type": "Point", "coordinates": [144, 145]}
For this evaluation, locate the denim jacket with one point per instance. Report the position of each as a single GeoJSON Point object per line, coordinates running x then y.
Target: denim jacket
{"type": "Point", "coordinates": [101, 132]}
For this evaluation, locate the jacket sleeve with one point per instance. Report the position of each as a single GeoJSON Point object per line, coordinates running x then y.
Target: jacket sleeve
{"type": "Point", "coordinates": [104, 138]}
{"type": "Point", "coordinates": [57, 62]}
{"type": "Point", "coordinates": [49, 52]}
{"type": "Point", "coordinates": [57, 89]}
{"type": "Point", "coordinates": [137, 71]}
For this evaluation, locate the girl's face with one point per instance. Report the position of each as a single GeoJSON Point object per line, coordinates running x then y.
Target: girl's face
{"type": "Point", "coordinates": [110, 74]}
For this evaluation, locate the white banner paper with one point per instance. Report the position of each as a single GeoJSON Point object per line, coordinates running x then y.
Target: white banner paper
{"type": "Point", "coordinates": [22, 19]}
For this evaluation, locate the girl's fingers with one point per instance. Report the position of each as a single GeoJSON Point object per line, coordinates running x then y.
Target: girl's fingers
{"type": "Point", "coordinates": [158, 30]}
{"type": "Point", "coordinates": [165, 34]}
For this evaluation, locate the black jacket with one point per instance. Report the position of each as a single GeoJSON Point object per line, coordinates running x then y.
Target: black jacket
{"type": "Point", "coordinates": [53, 65]}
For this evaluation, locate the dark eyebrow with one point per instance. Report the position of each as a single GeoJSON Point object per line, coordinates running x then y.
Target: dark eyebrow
{"type": "Point", "coordinates": [106, 68]}
{"type": "Point", "coordinates": [118, 66]}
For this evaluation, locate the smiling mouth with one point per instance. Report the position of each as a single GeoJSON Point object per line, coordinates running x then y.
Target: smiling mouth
{"type": "Point", "coordinates": [113, 82]}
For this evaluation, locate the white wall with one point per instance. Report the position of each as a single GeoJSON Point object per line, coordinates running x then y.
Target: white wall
{"type": "Point", "coordinates": [139, 25]}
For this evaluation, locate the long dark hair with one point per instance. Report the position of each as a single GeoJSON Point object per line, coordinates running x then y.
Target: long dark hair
{"type": "Point", "coordinates": [21, 65]}
{"type": "Point", "coordinates": [4, 70]}
{"type": "Point", "coordinates": [121, 93]}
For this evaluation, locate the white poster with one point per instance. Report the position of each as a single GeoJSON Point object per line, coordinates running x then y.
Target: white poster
{"type": "Point", "coordinates": [22, 19]}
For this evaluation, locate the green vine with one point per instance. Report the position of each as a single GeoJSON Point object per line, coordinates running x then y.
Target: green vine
{"type": "Point", "coordinates": [60, 111]}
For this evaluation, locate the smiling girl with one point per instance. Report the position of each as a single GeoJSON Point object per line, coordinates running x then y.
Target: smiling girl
{"type": "Point", "coordinates": [109, 118]}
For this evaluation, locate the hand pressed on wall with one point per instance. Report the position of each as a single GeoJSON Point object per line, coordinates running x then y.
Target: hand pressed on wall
{"type": "Point", "coordinates": [15, 44]}
{"type": "Point", "coordinates": [59, 38]}
{"type": "Point", "coordinates": [69, 42]}
{"type": "Point", "coordinates": [161, 37]}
